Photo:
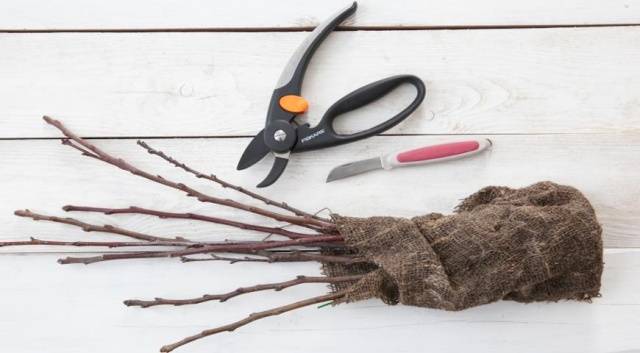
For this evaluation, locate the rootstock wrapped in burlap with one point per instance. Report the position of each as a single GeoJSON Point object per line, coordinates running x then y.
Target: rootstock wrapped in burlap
{"type": "Point", "coordinates": [538, 243]}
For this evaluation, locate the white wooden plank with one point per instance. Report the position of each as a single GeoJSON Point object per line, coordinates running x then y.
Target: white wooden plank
{"type": "Point", "coordinates": [148, 14]}
{"type": "Point", "coordinates": [193, 84]}
{"type": "Point", "coordinates": [52, 308]}
{"type": "Point", "coordinates": [44, 175]}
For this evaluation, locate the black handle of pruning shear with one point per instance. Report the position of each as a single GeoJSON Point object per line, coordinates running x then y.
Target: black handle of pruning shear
{"type": "Point", "coordinates": [286, 101]}
{"type": "Point", "coordinates": [291, 79]}
{"type": "Point", "coordinates": [323, 135]}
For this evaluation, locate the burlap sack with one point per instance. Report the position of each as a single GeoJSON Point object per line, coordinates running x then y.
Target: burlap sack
{"type": "Point", "coordinates": [537, 243]}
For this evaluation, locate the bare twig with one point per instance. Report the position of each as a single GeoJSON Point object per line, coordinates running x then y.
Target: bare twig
{"type": "Point", "coordinates": [171, 243]}
{"type": "Point", "coordinates": [193, 216]}
{"type": "Point", "coordinates": [238, 247]}
{"type": "Point", "coordinates": [308, 256]}
{"type": "Point", "coordinates": [84, 152]}
{"type": "Point", "coordinates": [87, 227]}
{"type": "Point", "coordinates": [225, 184]}
{"type": "Point", "coordinates": [231, 260]}
{"type": "Point", "coordinates": [299, 247]}
{"type": "Point", "coordinates": [108, 244]}
{"type": "Point", "coordinates": [124, 165]}
{"type": "Point", "coordinates": [293, 256]}
{"type": "Point", "coordinates": [254, 317]}
{"type": "Point", "coordinates": [278, 286]}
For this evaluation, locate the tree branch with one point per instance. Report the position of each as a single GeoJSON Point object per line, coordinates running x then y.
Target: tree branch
{"type": "Point", "coordinates": [238, 247]}
{"type": "Point", "coordinates": [294, 256]}
{"type": "Point", "coordinates": [68, 142]}
{"type": "Point", "coordinates": [226, 184]}
{"type": "Point", "coordinates": [253, 317]}
{"type": "Point", "coordinates": [193, 216]}
{"type": "Point", "coordinates": [278, 286]}
{"type": "Point", "coordinates": [124, 165]}
{"type": "Point", "coordinates": [108, 244]}
{"type": "Point", "coordinates": [87, 227]}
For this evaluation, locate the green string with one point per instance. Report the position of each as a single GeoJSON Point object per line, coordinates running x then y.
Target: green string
{"type": "Point", "coordinates": [325, 304]}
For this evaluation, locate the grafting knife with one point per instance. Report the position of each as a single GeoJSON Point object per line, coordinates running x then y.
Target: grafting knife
{"type": "Point", "coordinates": [422, 155]}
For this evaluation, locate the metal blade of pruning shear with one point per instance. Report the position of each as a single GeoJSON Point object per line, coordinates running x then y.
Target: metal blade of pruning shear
{"type": "Point", "coordinates": [279, 165]}
{"type": "Point", "coordinates": [255, 151]}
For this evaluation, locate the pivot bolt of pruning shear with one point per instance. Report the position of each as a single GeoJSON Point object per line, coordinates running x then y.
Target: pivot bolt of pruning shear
{"type": "Point", "coordinates": [279, 135]}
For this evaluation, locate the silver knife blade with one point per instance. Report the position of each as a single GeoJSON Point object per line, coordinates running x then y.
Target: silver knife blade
{"type": "Point", "coordinates": [354, 168]}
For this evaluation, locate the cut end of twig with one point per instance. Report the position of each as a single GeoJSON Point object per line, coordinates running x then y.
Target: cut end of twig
{"type": "Point", "coordinates": [136, 302]}
{"type": "Point", "coordinates": [166, 349]}
{"type": "Point", "coordinates": [27, 213]}
{"type": "Point", "coordinates": [171, 347]}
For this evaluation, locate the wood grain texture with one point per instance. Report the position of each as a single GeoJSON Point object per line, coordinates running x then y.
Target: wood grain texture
{"type": "Point", "coordinates": [561, 80]}
{"type": "Point", "coordinates": [198, 14]}
{"type": "Point", "coordinates": [560, 104]}
{"type": "Point", "coordinates": [45, 175]}
{"type": "Point", "coordinates": [69, 308]}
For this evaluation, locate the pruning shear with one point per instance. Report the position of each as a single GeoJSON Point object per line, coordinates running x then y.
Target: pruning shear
{"type": "Point", "coordinates": [282, 135]}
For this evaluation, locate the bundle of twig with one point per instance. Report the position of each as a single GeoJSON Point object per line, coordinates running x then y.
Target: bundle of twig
{"type": "Point", "coordinates": [537, 243]}
{"type": "Point", "coordinates": [300, 246]}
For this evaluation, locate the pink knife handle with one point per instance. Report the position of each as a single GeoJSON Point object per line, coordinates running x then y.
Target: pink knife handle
{"type": "Point", "coordinates": [435, 153]}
